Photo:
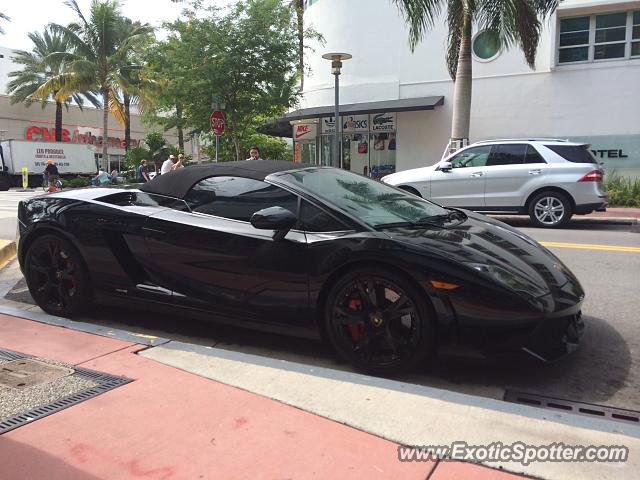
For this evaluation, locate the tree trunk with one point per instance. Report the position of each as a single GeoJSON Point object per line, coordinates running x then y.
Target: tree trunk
{"type": "Point", "coordinates": [58, 121]}
{"type": "Point", "coordinates": [462, 86]}
{"type": "Point", "coordinates": [105, 128]}
{"type": "Point", "coordinates": [300, 18]}
{"type": "Point", "coordinates": [179, 127]}
{"type": "Point", "coordinates": [127, 121]}
{"type": "Point", "coordinates": [236, 144]}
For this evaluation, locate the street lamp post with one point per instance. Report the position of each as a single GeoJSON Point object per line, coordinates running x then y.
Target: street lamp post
{"type": "Point", "coordinates": [336, 65]}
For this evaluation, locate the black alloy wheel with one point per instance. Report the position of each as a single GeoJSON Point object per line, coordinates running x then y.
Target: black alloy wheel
{"type": "Point", "coordinates": [57, 276]}
{"type": "Point", "coordinates": [379, 321]}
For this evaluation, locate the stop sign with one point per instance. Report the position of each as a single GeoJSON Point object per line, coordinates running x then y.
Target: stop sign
{"type": "Point", "coordinates": [217, 122]}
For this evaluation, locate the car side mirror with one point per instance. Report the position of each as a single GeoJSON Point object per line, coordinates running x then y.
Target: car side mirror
{"type": "Point", "coordinates": [274, 218]}
{"type": "Point", "coordinates": [446, 166]}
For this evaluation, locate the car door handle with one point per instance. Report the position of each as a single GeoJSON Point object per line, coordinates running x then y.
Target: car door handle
{"type": "Point", "coordinates": [109, 221]}
{"type": "Point", "coordinates": [535, 172]}
{"type": "Point", "coordinates": [477, 174]}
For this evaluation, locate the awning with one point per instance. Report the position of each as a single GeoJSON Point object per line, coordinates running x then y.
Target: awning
{"type": "Point", "coordinates": [281, 127]}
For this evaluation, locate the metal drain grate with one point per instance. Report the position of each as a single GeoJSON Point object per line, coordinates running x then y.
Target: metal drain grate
{"type": "Point", "coordinates": [105, 382]}
{"type": "Point", "coordinates": [580, 408]}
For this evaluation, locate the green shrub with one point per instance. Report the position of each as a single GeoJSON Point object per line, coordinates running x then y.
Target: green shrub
{"type": "Point", "coordinates": [623, 191]}
{"type": "Point", "coordinates": [77, 182]}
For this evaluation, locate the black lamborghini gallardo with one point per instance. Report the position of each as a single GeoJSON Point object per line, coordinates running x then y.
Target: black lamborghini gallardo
{"type": "Point", "coordinates": [383, 275]}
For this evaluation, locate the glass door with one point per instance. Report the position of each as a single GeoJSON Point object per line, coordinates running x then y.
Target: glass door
{"type": "Point", "coordinates": [383, 154]}
{"type": "Point", "coordinates": [307, 153]}
{"type": "Point", "coordinates": [355, 153]}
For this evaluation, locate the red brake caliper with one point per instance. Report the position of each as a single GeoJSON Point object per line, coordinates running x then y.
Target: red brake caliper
{"type": "Point", "coordinates": [355, 304]}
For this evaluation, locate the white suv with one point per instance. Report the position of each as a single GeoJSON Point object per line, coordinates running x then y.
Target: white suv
{"type": "Point", "coordinates": [547, 179]}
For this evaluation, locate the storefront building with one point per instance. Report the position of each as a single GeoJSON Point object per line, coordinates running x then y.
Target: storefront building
{"type": "Point", "coordinates": [584, 88]}
{"type": "Point", "coordinates": [36, 124]}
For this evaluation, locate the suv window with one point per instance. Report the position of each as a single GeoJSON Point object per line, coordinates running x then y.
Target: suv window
{"type": "Point", "coordinates": [237, 198]}
{"type": "Point", "coordinates": [573, 153]}
{"type": "Point", "coordinates": [533, 156]}
{"type": "Point", "coordinates": [471, 157]}
{"type": "Point", "coordinates": [314, 219]}
{"type": "Point", "coordinates": [508, 154]}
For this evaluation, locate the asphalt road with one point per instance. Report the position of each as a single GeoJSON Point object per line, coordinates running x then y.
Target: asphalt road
{"type": "Point", "coordinates": [605, 370]}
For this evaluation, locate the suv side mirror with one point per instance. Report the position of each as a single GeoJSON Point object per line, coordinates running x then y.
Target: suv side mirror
{"type": "Point", "coordinates": [274, 218]}
{"type": "Point", "coordinates": [446, 166]}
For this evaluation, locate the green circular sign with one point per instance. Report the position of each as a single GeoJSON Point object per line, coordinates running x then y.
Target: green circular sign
{"type": "Point", "coordinates": [486, 45]}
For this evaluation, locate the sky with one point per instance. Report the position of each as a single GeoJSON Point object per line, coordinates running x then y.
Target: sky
{"type": "Point", "coordinates": [33, 15]}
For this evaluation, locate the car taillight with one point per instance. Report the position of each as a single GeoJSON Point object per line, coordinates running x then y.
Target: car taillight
{"type": "Point", "coordinates": [593, 176]}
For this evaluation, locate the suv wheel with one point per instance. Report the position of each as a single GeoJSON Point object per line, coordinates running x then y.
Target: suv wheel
{"type": "Point", "coordinates": [550, 210]}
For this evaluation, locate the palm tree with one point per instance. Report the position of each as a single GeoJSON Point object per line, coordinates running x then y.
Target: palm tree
{"type": "Point", "coordinates": [134, 85]}
{"type": "Point", "coordinates": [3, 17]}
{"type": "Point", "coordinates": [512, 21]}
{"type": "Point", "coordinates": [39, 80]}
{"type": "Point", "coordinates": [98, 54]}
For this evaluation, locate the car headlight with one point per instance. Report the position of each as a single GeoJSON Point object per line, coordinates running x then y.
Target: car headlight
{"type": "Point", "coordinates": [510, 279]}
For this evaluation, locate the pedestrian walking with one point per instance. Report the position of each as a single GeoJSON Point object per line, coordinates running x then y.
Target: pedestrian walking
{"type": "Point", "coordinates": [143, 176]}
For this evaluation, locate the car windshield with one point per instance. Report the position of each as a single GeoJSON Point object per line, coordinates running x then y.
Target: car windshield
{"type": "Point", "coordinates": [370, 201]}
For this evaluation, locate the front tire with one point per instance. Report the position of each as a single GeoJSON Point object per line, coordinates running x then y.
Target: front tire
{"type": "Point", "coordinates": [379, 322]}
{"type": "Point", "coordinates": [550, 210]}
{"type": "Point", "coordinates": [57, 276]}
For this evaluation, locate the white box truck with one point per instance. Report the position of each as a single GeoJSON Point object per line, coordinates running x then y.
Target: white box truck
{"type": "Point", "coordinates": [72, 160]}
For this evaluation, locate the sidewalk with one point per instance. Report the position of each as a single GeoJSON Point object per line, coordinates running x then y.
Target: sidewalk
{"type": "Point", "coordinates": [170, 424]}
{"type": "Point", "coordinates": [616, 212]}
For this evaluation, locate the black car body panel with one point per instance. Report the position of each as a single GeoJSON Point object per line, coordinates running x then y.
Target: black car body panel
{"type": "Point", "coordinates": [147, 246]}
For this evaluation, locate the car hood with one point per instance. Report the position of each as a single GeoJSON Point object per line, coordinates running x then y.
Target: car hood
{"type": "Point", "coordinates": [408, 176]}
{"type": "Point", "coordinates": [497, 252]}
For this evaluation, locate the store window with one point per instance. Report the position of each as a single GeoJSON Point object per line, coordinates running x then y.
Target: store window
{"type": "Point", "coordinates": [486, 45]}
{"type": "Point", "coordinates": [383, 154]}
{"type": "Point", "coordinates": [635, 35]}
{"type": "Point", "coordinates": [598, 37]}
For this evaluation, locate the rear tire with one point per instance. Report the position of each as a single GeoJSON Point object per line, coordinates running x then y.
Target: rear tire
{"type": "Point", "coordinates": [57, 276]}
{"type": "Point", "coordinates": [550, 210]}
{"type": "Point", "coordinates": [379, 321]}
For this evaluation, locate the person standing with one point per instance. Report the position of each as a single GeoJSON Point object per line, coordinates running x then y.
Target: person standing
{"type": "Point", "coordinates": [179, 163]}
{"type": "Point", "coordinates": [143, 176]}
{"type": "Point", "coordinates": [167, 165]}
{"type": "Point", "coordinates": [254, 153]}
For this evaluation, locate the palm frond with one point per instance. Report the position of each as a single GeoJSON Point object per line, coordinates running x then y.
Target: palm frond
{"type": "Point", "coordinates": [514, 21]}
{"type": "Point", "coordinates": [3, 17]}
{"type": "Point", "coordinates": [116, 107]}
{"type": "Point", "coordinates": [420, 15]}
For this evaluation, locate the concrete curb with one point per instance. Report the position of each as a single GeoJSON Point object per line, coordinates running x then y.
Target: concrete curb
{"type": "Point", "coordinates": [41, 317]}
{"type": "Point", "coordinates": [575, 220]}
{"type": "Point", "coordinates": [7, 251]}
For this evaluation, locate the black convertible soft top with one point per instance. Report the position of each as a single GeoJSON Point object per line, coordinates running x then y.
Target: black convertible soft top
{"type": "Point", "coordinates": [179, 182]}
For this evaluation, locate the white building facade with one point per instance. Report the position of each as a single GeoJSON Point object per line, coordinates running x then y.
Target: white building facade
{"type": "Point", "coordinates": [398, 105]}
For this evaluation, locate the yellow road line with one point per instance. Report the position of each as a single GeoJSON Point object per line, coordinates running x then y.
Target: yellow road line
{"type": "Point", "coordinates": [589, 246]}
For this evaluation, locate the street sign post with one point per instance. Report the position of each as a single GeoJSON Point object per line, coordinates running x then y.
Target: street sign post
{"type": "Point", "coordinates": [217, 126]}
{"type": "Point", "coordinates": [25, 178]}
